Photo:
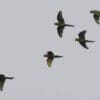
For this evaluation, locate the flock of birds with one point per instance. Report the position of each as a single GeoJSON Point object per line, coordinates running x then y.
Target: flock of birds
{"type": "Point", "coordinates": [81, 36]}
{"type": "Point", "coordinates": [60, 27]}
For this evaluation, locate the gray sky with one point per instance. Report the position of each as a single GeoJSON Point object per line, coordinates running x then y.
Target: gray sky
{"type": "Point", "coordinates": [27, 32]}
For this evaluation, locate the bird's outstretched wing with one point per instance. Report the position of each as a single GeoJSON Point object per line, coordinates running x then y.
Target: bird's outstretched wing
{"type": "Point", "coordinates": [83, 44]}
{"type": "Point", "coordinates": [60, 30]}
{"type": "Point", "coordinates": [82, 34]}
{"type": "Point", "coordinates": [60, 17]}
{"type": "Point", "coordinates": [82, 39]}
{"type": "Point", "coordinates": [96, 18]}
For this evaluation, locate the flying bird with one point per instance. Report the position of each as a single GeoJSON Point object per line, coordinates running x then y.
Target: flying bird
{"type": "Point", "coordinates": [82, 39]}
{"type": "Point", "coordinates": [96, 15]}
{"type": "Point", "coordinates": [50, 57]}
{"type": "Point", "coordinates": [61, 24]}
{"type": "Point", "coordinates": [2, 80]}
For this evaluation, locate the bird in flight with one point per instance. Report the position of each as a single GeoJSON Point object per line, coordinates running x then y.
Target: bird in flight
{"type": "Point", "coordinates": [50, 57]}
{"type": "Point", "coordinates": [82, 39]}
{"type": "Point", "coordinates": [2, 80]}
{"type": "Point", "coordinates": [61, 24]}
{"type": "Point", "coordinates": [96, 15]}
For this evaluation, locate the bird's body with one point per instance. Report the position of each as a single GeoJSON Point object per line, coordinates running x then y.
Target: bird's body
{"type": "Point", "coordinates": [82, 39]}
{"type": "Point", "coordinates": [61, 24]}
{"type": "Point", "coordinates": [50, 56]}
{"type": "Point", "coordinates": [96, 15]}
{"type": "Point", "coordinates": [2, 80]}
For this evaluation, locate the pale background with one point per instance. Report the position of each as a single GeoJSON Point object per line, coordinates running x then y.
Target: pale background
{"type": "Point", "coordinates": [27, 33]}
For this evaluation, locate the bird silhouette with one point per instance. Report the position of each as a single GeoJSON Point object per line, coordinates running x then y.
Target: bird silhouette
{"type": "Point", "coordinates": [61, 24]}
{"type": "Point", "coordinates": [82, 39]}
{"type": "Point", "coordinates": [50, 56]}
{"type": "Point", "coordinates": [2, 80]}
{"type": "Point", "coordinates": [96, 15]}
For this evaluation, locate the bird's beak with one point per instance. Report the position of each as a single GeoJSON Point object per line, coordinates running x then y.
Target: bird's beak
{"type": "Point", "coordinates": [55, 24]}
{"type": "Point", "coordinates": [75, 39]}
{"type": "Point", "coordinates": [91, 11]}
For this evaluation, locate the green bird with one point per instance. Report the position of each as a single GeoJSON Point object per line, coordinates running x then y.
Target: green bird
{"type": "Point", "coordinates": [61, 24]}
{"type": "Point", "coordinates": [96, 15]}
{"type": "Point", "coordinates": [2, 80]}
{"type": "Point", "coordinates": [50, 57]}
{"type": "Point", "coordinates": [82, 39]}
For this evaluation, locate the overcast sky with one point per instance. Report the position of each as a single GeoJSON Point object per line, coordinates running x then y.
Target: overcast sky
{"type": "Point", "coordinates": [27, 32]}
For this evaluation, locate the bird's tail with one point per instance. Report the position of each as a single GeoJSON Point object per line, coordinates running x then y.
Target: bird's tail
{"type": "Point", "coordinates": [89, 41]}
{"type": "Point", "coordinates": [57, 56]}
{"type": "Point", "coordinates": [9, 77]}
{"type": "Point", "coordinates": [69, 25]}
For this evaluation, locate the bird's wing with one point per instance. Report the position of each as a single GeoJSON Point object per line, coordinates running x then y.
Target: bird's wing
{"type": "Point", "coordinates": [1, 84]}
{"type": "Point", "coordinates": [83, 44]}
{"type": "Point", "coordinates": [60, 30]}
{"type": "Point", "coordinates": [82, 34]}
{"type": "Point", "coordinates": [96, 18]}
{"type": "Point", "coordinates": [49, 62]}
{"type": "Point", "coordinates": [60, 17]}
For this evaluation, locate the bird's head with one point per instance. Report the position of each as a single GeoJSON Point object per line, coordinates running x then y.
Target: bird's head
{"type": "Point", "coordinates": [49, 54]}
{"type": "Point", "coordinates": [92, 11]}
